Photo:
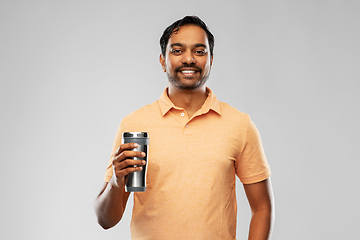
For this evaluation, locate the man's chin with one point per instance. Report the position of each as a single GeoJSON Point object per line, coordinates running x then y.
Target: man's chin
{"type": "Point", "coordinates": [187, 83]}
{"type": "Point", "coordinates": [187, 86]}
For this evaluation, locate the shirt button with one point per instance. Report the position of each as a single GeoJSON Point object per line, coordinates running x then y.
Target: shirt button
{"type": "Point", "coordinates": [182, 114]}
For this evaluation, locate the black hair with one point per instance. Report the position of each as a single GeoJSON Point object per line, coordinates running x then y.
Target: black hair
{"type": "Point", "coordinates": [188, 20]}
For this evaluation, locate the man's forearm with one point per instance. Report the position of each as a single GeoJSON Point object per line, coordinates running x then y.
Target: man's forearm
{"type": "Point", "coordinates": [110, 205]}
{"type": "Point", "coordinates": [261, 225]}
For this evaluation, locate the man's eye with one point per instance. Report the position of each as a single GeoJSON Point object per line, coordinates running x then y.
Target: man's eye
{"type": "Point", "coordinates": [200, 52]}
{"type": "Point", "coordinates": [176, 51]}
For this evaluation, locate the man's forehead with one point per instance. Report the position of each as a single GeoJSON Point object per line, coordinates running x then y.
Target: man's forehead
{"type": "Point", "coordinates": [195, 45]}
{"type": "Point", "coordinates": [188, 35]}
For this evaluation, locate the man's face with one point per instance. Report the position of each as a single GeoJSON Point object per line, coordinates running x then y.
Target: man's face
{"type": "Point", "coordinates": [187, 61]}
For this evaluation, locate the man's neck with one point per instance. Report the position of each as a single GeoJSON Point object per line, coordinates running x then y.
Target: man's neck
{"type": "Point", "coordinates": [190, 100]}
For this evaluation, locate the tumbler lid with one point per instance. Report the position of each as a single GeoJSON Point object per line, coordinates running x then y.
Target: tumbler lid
{"type": "Point", "coordinates": [135, 134]}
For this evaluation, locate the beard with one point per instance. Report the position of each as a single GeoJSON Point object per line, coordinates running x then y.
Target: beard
{"type": "Point", "coordinates": [195, 83]}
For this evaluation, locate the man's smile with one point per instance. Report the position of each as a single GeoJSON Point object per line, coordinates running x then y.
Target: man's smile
{"type": "Point", "coordinates": [188, 72]}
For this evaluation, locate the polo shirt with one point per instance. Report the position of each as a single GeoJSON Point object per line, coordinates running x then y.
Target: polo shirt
{"type": "Point", "coordinates": [192, 163]}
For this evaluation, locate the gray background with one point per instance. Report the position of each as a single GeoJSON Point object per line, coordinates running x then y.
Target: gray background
{"type": "Point", "coordinates": [66, 68]}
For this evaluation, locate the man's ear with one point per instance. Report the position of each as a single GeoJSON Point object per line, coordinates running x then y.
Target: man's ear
{"type": "Point", "coordinates": [211, 60]}
{"type": "Point", "coordinates": [162, 62]}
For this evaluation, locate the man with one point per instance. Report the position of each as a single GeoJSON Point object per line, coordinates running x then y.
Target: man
{"type": "Point", "coordinates": [197, 146]}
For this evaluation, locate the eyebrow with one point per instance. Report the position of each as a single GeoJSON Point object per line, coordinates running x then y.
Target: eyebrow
{"type": "Point", "coordinates": [200, 45]}
{"type": "Point", "coordinates": [181, 45]}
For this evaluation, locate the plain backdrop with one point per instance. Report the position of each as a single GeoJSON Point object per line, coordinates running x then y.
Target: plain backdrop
{"type": "Point", "coordinates": [69, 68]}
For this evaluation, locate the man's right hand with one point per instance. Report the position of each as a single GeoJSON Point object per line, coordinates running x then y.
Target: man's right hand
{"type": "Point", "coordinates": [110, 203]}
{"type": "Point", "coordinates": [123, 163]}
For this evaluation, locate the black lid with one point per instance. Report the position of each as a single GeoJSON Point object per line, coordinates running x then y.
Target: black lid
{"type": "Point", "coordinates": [135, 134]}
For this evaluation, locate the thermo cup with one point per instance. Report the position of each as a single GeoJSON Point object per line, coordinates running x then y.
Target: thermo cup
{"type": "Point", "coordinates": [136, 181]}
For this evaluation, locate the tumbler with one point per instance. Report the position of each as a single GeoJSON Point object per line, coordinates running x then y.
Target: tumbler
{"type": "Point", "coordinates": [136, 181]}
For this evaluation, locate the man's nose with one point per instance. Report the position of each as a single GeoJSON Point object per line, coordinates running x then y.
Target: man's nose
{"type": "Point", "coordinates": [188, 57]}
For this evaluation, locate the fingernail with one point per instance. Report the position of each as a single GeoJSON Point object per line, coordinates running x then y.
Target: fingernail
{"type": "Point", "coordinates": [136, 145]}
{"type": "Point", "coordinates": [143, 154]}
{"type": "Point", "coordinates": [144, 162]}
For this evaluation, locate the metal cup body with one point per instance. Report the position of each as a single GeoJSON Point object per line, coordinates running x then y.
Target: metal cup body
{"type": "Point", "coordinates": [136, 181]}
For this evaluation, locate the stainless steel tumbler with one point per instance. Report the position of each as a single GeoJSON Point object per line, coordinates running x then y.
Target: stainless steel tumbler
{"type": "Point", "coordinates": [136, 181]}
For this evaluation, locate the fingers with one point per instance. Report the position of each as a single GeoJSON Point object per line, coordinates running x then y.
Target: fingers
{"type": "Point", "coordinates": [123, 168]}
{"type": "Point", "coordinates": [121, 173]}
{"type": "Point", "coordinates": [128, 163]}
{"type": "Point", "coordinates": [126, 146]}
{"type": "Point", "coordinates": [128, 154]}
{"type": "Point", "coordinates": [124, 162]}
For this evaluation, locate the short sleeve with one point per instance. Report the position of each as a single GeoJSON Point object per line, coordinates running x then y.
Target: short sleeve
{"type": "Point", "coordinates": [116, 145]}
{"type": "Point", "coordinates": [251, 164]}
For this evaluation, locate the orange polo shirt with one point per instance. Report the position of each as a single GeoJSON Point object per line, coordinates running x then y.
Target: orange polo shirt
{"type": "Point", "coordinates": [192, 165]}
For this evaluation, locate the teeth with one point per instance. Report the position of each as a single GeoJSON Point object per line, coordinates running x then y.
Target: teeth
{"type": "Point", "coordinates": [188, 71]}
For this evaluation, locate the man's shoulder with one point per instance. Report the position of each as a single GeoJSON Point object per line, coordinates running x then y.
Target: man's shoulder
{"type": "Point", "coordinates": [232, 112]}
{"type": "Point", "coordinates": [146, 111]}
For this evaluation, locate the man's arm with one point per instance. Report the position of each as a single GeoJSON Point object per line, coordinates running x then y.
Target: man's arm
{"type": "Point", "coordinates": [110, 203]}
{"type": "Point", "coordinates": [261, 202]}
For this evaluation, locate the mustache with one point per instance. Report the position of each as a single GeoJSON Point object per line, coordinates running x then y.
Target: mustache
{"type": "Point", "coordinates": [185, 65]}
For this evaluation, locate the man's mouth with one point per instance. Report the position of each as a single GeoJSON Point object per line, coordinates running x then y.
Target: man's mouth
{"type": "Point", "coordinates": [187, 71]}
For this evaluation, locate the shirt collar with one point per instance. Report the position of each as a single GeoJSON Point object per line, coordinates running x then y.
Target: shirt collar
{"type": "Point", "coordinates": [211, 102]}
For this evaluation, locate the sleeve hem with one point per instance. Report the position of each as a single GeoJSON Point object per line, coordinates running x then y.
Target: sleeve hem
{"type": "Point", "coordinates": [256, 178]}
{"type": "Point", "coordinates": [108, 174]}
